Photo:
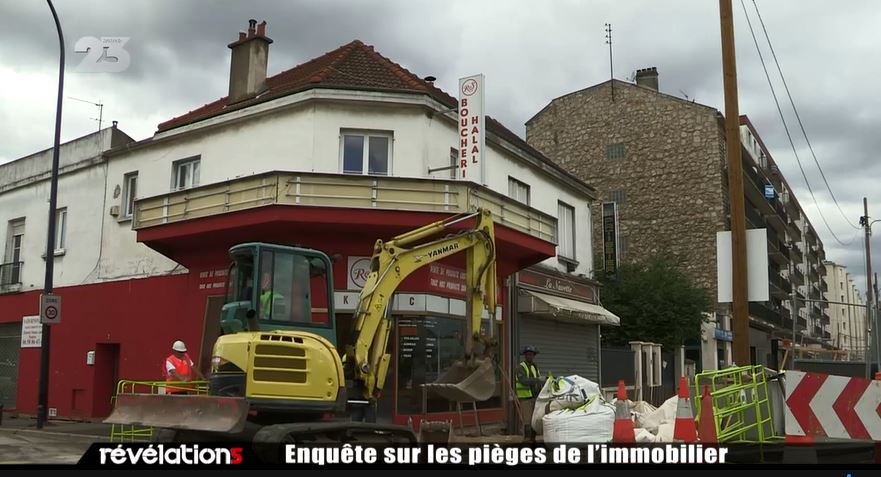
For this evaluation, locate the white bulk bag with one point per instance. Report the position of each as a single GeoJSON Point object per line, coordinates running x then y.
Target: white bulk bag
{"type": "Point", "coordinates": [562, 393]}
{"type": "Point", "coordinates": [591, 422]}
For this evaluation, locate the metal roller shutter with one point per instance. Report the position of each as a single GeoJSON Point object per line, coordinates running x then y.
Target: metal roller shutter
{"type": "Point", "coordinates": [564, 348]}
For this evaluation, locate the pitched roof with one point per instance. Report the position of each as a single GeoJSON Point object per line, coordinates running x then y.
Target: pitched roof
{"type": "Point", "coordinates": [354, 66]}
{"type": "Point", "coordinates": [351, 66]}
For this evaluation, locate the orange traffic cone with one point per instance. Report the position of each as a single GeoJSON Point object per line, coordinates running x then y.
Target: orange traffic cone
{"type": "Point", "coordinates": [623, 430]}
{"type": "Point", "coordinates": [684, 429]}
{"type": "Point", "coordinates": [707, 425]}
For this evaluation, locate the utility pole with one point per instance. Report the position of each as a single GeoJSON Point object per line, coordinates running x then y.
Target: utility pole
{"type": "Point", "coordinates": [740, 324]}
{"type": "Point", "coordinates": [870, 323]}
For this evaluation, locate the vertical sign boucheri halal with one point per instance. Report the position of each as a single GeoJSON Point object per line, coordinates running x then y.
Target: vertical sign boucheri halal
{"type": "Point", "coordinates": [472, 125]}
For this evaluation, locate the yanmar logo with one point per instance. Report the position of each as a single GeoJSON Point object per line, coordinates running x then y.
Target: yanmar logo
{"type": "Point", "coordinates": [443, 250]}
{"type": "Point", "coordinates": [189, 454]}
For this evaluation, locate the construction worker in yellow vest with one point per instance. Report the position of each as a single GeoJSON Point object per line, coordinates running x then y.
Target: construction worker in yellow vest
{"type": "Point", "coordinates": [529, 384]}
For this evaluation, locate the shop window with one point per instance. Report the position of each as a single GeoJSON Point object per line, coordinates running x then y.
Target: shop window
{"type": "Point", "coordinates": [426, 348]}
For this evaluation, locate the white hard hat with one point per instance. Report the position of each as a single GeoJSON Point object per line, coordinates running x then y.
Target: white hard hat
{"type": "Point", "coordinates": [179, 346]}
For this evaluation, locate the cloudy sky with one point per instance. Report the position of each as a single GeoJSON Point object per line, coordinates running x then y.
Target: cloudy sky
{"type": "Point", "coordinates": [530, 52]}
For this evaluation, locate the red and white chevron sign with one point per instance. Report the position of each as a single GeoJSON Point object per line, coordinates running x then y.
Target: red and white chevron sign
{"type": "Point", "coordinates": [821, 405]}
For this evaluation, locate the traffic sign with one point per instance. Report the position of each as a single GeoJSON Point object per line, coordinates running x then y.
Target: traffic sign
{"type": "Point", "coordinates": [50, 309]}
{"type": "Point", "coordinates": [820, 405]}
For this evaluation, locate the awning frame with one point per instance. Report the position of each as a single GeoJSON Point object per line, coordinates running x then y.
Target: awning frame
{"type": "Point", "coordinates": [556, 307]}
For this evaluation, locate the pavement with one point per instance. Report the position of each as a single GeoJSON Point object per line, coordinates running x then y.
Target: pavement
{"type": "Point", "coordinates": [58, 442]}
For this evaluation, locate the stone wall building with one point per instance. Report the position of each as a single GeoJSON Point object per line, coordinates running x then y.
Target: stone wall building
{"type": "Point", "coordinates": [659, 164]}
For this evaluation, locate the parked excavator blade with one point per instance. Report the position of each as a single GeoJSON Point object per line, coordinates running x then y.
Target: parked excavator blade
{"type": "Point", "coordinates": [190, 412]}
{"type": "Point", "coordinates": [466, 382]}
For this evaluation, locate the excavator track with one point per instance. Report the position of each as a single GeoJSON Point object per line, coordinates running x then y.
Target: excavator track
{"type": "Point", "coordinates": [270, 441]}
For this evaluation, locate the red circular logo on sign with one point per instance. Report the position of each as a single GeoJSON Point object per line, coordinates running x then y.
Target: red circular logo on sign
{"type": "Point", "coordinates": [469, 87]}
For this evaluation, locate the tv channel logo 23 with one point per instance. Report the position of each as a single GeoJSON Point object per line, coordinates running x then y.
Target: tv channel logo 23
{"type": "Point", "coordinates": [103, 55]}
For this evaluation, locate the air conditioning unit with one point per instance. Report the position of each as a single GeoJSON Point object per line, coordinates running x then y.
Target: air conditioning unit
{"type": "Point", "coordinates": [114, 211]}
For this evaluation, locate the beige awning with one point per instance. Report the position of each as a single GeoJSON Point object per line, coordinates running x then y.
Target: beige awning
{"type": "Point", "coordinates": [544, 304]}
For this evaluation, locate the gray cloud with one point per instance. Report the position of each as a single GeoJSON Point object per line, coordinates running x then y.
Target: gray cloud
{"type": "Point", "coordinates": [530, 54]}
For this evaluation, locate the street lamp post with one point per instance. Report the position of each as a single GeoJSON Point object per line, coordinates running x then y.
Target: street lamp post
{"type": "Point", "coordinates": [43, 395]}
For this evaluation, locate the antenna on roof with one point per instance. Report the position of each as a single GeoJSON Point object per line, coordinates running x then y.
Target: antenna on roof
{"type": "Point", "coordinates": [611, 68]}
{"type": "Point", "coordinates": [100, 106]}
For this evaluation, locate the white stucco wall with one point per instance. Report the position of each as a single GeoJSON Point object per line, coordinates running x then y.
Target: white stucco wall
{"type": "Point", "coordinates": [290, 134]}
{"type": "Point", "coordinates": [24, 194]}
{"type": "Point", "coordinates": [306, 137]}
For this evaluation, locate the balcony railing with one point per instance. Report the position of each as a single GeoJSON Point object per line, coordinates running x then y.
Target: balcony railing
{"type": "Point", "coordinates": [795, 253]}
{"type": "Point", "coordinates": [10, 273]}
{"type": "Point", "coordinates": [779, 317]}
{"type": "Point", "coordinates": [797, 277]}
{"type": "Point", "coordinates": [336, 190]}
{"type": "Point", "coordinates": [779, 286]}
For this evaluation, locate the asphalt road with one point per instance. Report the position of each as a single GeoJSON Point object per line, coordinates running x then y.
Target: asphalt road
{"type": "Point", "coordinates": [34, 447]}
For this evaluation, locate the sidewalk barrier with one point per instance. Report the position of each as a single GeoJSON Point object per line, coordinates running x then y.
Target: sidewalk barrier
{"type": "Point", "coordinates": [133, 433]}
{"type": "Point", "coordinates": [740, 403]}
{"type": "Point", "coordinates": [684, 429]}
{"type": "Point", "coordinates": [624, 430]}
{"type": "Point", "coordinates": [706, 422]}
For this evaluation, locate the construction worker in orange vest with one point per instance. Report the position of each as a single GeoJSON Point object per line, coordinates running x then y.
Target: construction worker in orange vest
{"type": "Point", "coordinates": [179, 367]}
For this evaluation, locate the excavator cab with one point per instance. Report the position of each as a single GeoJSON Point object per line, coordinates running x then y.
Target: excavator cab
{"type": "Point", "coordinates": [276, 287]}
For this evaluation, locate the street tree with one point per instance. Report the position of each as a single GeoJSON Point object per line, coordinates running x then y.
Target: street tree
{"type": "Point", "coordinates": [655, 301]}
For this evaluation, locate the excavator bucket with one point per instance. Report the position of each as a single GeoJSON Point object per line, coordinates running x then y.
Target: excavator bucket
{"type": "Point", "coordinates": [191, 412]}
{"type": "Point", "coordinates": [466, 382]}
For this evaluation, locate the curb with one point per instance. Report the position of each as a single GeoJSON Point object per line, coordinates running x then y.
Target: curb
{"type": "Point", "coordinates": [85, 437]}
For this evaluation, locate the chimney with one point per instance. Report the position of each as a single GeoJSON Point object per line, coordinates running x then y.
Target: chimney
{"type": "Point", "coordinates": [647, 77]}
{"type": "Point", "coordinates": [247, 70]}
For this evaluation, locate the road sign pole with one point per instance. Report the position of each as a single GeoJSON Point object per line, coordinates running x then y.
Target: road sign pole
{"type": "Point", "coordinates": [43, 394]}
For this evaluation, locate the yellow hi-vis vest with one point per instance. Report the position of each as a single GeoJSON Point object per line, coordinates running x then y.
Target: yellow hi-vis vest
{"type": "Point", "coordinates": [524, 391]}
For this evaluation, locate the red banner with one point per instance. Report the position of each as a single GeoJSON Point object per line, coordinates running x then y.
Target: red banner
{"type": "Point", "coordinates": [558, 285]}
{"type": "Point", "coordinates": [446, 279]}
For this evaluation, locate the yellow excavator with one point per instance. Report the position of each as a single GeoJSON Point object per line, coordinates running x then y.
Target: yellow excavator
{"type": "Point", "coordinates": [278, 375]}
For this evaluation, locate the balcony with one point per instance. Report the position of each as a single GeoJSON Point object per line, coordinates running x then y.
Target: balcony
{"type": "Point", "coordinates": [797, 277]}
{"type": "Point", "coordinates": [817, 331]}
{"type": "Point", "coordinates": [10, 274]}
{"type": "Point", "coordinates": [780, 288]}
{"type": "Point", "coordinates": [335, 190]}
{"type": "Point", "coordinates": [795, 253]}
{"type": "Point", "coordinates": [824, 287]}
{"type": "Point", "coordinates": [802, 323]}
{"type": "Point", "coordinates": [777, 251]}
{"type": "Point", "coordinates": [827, 335]}
{"type": "Point", "coordinates": [196, 227]}
{"type": "Point", "coordinates": [778, 317]}
{"type": "Point", "coordinates": [811, 236]}
{"type": "Point", "coordinates": [813, 274]}
{"type": "Point", "coordinates": [754, 217]}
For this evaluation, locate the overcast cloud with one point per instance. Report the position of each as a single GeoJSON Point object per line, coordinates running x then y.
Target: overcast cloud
{"type": "Point", "coordinates": [530, 52]}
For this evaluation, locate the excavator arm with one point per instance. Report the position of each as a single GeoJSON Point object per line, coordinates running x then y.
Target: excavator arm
{"type": "Point", "coordinates": [396, 259]}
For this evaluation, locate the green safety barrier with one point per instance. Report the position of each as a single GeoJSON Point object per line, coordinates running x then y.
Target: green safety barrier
{"type": "Point", "coordinates": [741, 404]}
{"type": "Point", "coordinates": [132, 432]}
